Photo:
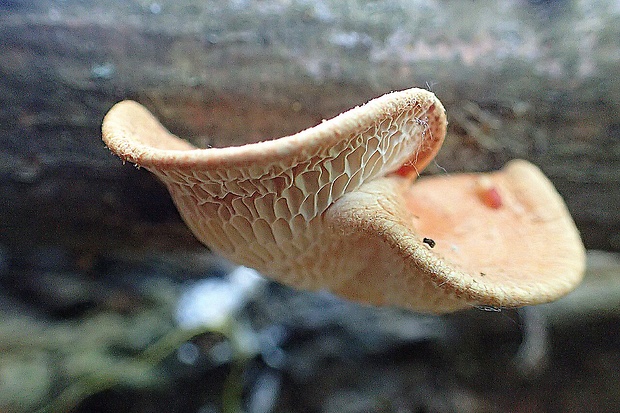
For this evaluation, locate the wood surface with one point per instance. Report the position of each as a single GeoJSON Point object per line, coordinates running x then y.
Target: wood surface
{"type": "Point", "coordinates": [519, 79]}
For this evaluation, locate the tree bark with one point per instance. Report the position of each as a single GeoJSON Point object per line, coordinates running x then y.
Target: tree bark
{"type": "Point", "coordinates": [520, 79]}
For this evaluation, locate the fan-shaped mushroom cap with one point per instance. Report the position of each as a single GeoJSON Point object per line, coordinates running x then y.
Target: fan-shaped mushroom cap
{"type": "Point", "coordinates": [332, 207]}
{"type": "Point", "coordinates": [444, 245]}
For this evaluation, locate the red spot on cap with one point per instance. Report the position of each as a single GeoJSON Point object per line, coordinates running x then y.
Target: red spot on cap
{"type": "Point", "coordinates": [489, 195]}
{"type": "Point", "coordinates": [406, 170]}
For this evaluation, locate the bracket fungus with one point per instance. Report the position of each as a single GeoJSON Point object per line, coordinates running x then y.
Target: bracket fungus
{"type": "Point", "coordinates": [339, 207]}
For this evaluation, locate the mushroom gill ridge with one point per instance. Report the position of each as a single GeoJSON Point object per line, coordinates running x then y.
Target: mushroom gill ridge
{"type": "Point", "coordinates": [265, 205]}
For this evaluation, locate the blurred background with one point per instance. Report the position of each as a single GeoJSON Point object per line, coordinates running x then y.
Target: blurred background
{"type": "Point", "coordinates": [107, 302]}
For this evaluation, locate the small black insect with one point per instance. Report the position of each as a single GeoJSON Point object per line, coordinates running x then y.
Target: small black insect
{"type": "Point", "coordinates": [429, 241]}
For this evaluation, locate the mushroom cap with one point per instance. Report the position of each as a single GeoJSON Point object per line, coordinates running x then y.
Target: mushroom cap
{"type": "Point", "coordinates": [408, 128]}
{"type": "Point", "coordinates": [445, 247]}
{"type": "Point", "coordinates": [333, 207]}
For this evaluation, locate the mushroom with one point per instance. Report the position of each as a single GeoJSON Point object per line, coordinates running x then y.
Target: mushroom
{"type": "Point", "coordinates": [339, 207]}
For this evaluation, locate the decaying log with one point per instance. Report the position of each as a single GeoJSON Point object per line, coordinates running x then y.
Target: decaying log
{"type": "Point", "coordinates": [520, 79]}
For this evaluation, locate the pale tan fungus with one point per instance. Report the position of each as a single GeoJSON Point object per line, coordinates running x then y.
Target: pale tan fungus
{"type": "Point", "coordinates": [335, 207]}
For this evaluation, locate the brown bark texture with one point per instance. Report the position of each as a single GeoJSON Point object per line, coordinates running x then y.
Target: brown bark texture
{"type": "Point", "coordinates": [520, 79]}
